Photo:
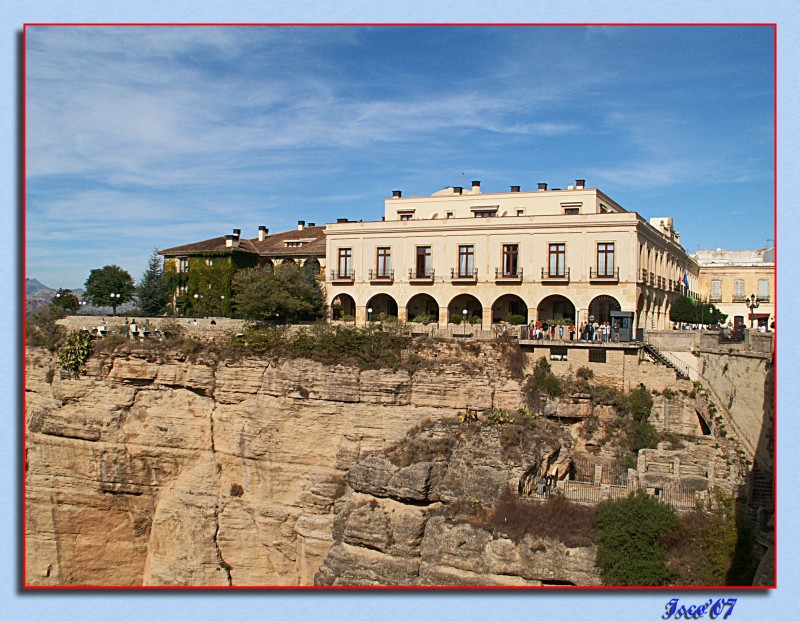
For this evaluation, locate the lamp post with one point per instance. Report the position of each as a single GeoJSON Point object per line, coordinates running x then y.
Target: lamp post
{"type": "Point", "coordinates": [114, 301]}
{"type": "Point", "coordinates": [464, 312]}
{"type": "Point", "coordinates": [752, 303]}
{"type": "Point", "coordinates": [222, 306]}
{"type": "Point", "coordinates": [369, 316]}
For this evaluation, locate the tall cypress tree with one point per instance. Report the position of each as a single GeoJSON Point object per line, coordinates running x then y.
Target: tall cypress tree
{"type": "Point", "coordinates": [152, 290]}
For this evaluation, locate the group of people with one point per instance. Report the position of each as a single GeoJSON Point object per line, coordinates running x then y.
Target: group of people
{"type": "Point", "coordinates": [546, 485]}
{"type": "Point", "coordinates": [538, 331]}
{"type": "Point", "coordinates": [601, 332]}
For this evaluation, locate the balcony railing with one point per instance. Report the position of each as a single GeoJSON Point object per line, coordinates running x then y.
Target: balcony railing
{"type": "Point", "coordinates": [605, 275]}
{"type": "Point", "coordinates": [741, 297]}
{"type": "Point", "coordinates": [342, 277]}
{"type": "Point", "coordinates": [652, 278]}
{"type": "Point", "coordinates": [464, 276]}
{"type": "Point", "coordinates": [503, 276]}
{"type": "Point", "coordinates": [381, 276]}
{"type": "Point", "coordinates": [420, 277]}
{"type": "Point", "coordinates": [715, 298]}
{"type": "Point", "coordinates": [555, 276]}
{"type": "Point", "coordinates": [644, 275]}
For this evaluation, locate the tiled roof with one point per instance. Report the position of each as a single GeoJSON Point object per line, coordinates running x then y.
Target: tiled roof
{"type": "Point", "coordinates": [273, 245]}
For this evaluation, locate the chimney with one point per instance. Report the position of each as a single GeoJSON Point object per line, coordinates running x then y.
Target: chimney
{"type": "Point", "coordinates": [312, 224]}
{"type": "Point", "coordinates": [397, 194]}
{"type": "Point", "coordinates": [301, 224]}
{"type": "Point", "coordinates": [458, 189]}
{"type": "Point", "coordinates": [515, 188]}
{"type": "Point", "coordinates": [262, 233]}
{"type": "Point", "coordinates": [231, 241]}
{"type": "Point", "coordinates": [476, 187]}
{"type": "Point", "coordinates": [237, 232]}
{"type": "Point", "coordinates": [542, 187]}
{"type": "Point", "coordinates": [580, 184]}
{"type": "Point", "coordinates": [340, 220]}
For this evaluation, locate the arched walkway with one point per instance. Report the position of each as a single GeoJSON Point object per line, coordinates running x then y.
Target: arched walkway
{"type": "Point", "coordinates": [266, 264]}
{"type": "Point", "coordinates": [382, 305]}
{"type": "Point", "coordinates": [602, 306]}
{"type": "Point", "coordinates": [555, 307]}
{"type": "Point", "coordinates": [507, 305]}
{"type": "Point", "coordinates": [343, 306]}
{"type": "Point", "coordinates": [423, 304]}
{"type": "Point", "coordinates": [463, 302]}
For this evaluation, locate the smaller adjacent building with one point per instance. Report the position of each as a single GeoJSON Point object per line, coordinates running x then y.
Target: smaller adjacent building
{"type": "Point", "coordinates": [203, 271]}
{"type": "Point", "coordinates": [736, 280]}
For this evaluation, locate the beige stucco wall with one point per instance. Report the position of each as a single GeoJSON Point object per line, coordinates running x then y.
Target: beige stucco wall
{"type": "Point", "coordinates": [727, 302]}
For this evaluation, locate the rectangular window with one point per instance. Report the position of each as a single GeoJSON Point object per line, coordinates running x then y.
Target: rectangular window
{"type": "Point", "coordinates": [738, 290]}
{"type": "Point", "coordinates": [423, 261]}
{"type": "Point", "coordinates": [597, 355]}
{"type": "Point", "coordinates": [449, 214]}
{"type": "Point", "coordinates": [510, 259]}
{"type": "Point", "coordinates": [605, 259]}
{"type": "Point", "coordinates": [486, 214]}
{"type": "Point", "coordinates": [520, 212]}
{"type": "Point", "coordinates": [345, 262]}
{"type": "Point", "coordinates": [405, 216]}
{"type": "Point", "coordinates": [558, 353]}
{"type": "Point", "coordinates": [763, 290]}
{"type": "Point", "coordinates": [466, 261]}
{"type": "Point", "coordinates": [556, 259]}
{"type": "Point", "coordinates": [716, 290]}
{"type": "Point", "coordinates": [183, 265]}
{"type": "Point", "coordinates": [572, 211]}
{"type": "Point", "coordinates": [384, 262]}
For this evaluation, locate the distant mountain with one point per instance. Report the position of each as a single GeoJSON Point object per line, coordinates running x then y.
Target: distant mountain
{"type": "Point", "coordinates": [32, 286]}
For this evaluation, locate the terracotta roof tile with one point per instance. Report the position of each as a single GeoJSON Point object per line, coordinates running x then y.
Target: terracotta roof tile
{"type": "Point", "coordinates": [273, 245]}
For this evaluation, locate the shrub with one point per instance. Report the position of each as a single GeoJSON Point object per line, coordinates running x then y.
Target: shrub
{"type": "Point", "coordinates": [425, 319]}
{"type": "Point", "coordinates": [455, 318]}
{"type": "Point", "coordinates": [41, 329]}
{"type": "Point", "coordinates": [75, 352]}
{"type": "Point", "coordinates": [540, 385]}
{"type": "Point", "coordinates": [517, 320]}
{"type": "Point", "coordinates": [584, 373]}
{"type": "Point", "coordinates": [557, 518]}
{"type": "Point", "coordinates": [474, 320]}
{"type": "Point", "coordinates": [632, 534]}
{"type": "Point", "coordinates": [237, 490]}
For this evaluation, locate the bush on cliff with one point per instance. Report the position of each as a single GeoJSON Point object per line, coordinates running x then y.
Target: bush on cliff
{"type": "Point", "coordinates": [75, 352]}
{"type": "Point", "coordinates": [41, 329]}
{"type": "Point", "coordinates": [632, 537]}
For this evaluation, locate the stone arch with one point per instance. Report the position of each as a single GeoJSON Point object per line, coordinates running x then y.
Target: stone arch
{"type": "Point", "coordinates": [640, 312]}
{"type": "Point", "coordinates": [266, 264]}
{"type": "Point", "coordinates": [343, 305]}
{"type": "Point", "coordinates": [507, 305]}
{"type": "Point", "coordinates": [555, 307]}
{"type": "Point", "coordinates": [465, 301]}
{"type": "Point", "coordinates": [422, 304]}
{"type": "Point", "coordinates": [381, 304]}
{"type": "Point", "coordinates": [601, 308]}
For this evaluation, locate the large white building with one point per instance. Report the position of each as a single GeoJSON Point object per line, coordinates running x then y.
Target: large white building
{"type": "Point", "coordinates": [543, 254]}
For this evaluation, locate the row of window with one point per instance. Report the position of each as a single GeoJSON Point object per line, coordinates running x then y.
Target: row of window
{"type": "Point", "coordinates": [739, 293]}
{"type": "Point", "coordinates": [556, 264]}
{"type": "Point", "coordinates": [491, 212]}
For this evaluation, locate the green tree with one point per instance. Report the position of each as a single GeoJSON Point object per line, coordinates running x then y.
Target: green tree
{"type": "Point", "coordinates": [682, 310]}
{"type": "Point", "coordinates": [108, 280]}
{"type": "Point", "coordinates": [66, 300]}
{"type": "Point", "coordinates": [287, 294]}
{"type": "Point", "coordinates": [632, 537]}
{"type": "Point", "coordinates": [687, 310]}
{"type": "Point", "coordinates": [152, 289]}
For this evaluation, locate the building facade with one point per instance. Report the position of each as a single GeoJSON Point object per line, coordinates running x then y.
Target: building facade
{"type": "Point", "coordinates": [203, 271]}
{"type": "Point", "coordinates": [736, 280]}
{"type": "Point", "coordinates": [548, 254]}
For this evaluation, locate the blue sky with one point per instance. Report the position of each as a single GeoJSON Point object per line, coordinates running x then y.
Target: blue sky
{"type": "Point", "coordinates": [145, 137]}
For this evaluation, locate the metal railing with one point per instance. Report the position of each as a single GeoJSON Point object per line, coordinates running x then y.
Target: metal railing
{"type": "Point", "coordinates": [548, 275]}
{"type": "Point", "coordinates": [419, 276]}
{"type": "Point", "coordinates": [604, 275]}
{"type": "Point", "coordinates": [471, 275]}
{"type": "Point", "coordinates": [381, 275]}
{"type": "Point", "coordinates": [346, 276]}
{"type": "Point", "coordinates": [503, 275]}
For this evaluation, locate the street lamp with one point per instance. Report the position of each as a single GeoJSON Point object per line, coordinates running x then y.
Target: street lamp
{"type": "Point", "coordinates": [752, 303]}
{"type": "Point", "coordinates": [464, 312]}
{"type": "Point", "coordinates": [369, 315]}
{"type": "Point", "coordinates": [196, 310]}
{"type": "Point", "coordinates": [114, 301]}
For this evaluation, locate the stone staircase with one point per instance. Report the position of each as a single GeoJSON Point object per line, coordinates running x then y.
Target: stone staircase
{"type": "Point", "coordinates": [681, 370]}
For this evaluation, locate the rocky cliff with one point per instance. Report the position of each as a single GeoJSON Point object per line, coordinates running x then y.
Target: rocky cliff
{"type": "Point", "coordinates": [154, 469]}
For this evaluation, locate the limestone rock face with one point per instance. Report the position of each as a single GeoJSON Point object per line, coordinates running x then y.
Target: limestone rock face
{"type": "Point", "coordinates": [204, 473]}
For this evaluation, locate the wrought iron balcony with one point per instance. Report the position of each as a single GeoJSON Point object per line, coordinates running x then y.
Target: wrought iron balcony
{"type": "Point", "coordinates": [644, 275]}
{"type": "Point", "coordinates": [419, 277]}
{"type": "Point", "coordinates": [381, 276]}
{"type": "Point", "coordinates": [503, 276]}
{"type": "Point", "coordinates": [464, 276]}
{"type": "Point", "coordinates": [342, 278]}
{"type": "Point", "coordinates": [561, 277]}
{"type": "Point", "coordinates": [605, 275]}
